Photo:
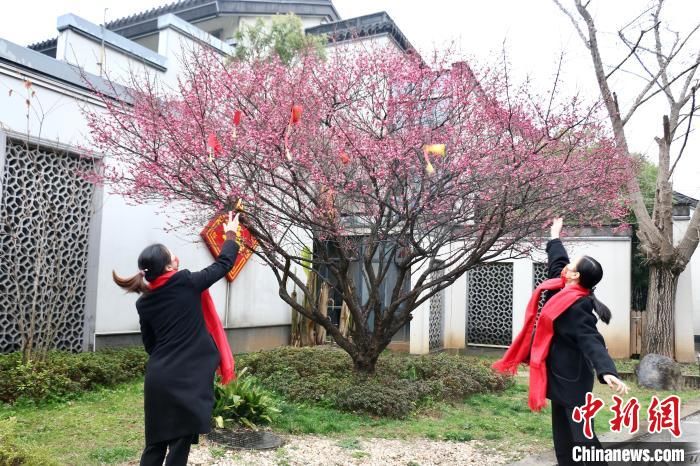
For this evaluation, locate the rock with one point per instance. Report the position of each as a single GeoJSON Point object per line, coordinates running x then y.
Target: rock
{"type": "Point", "coordinates": [659, 372]}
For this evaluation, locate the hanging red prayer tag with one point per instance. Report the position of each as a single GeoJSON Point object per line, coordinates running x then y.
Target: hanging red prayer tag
{"type": "Point", "coordinates": [296, 114]}
{"type": "Point", "coordinates": [345, 158]}
{"type": "Point", "coordinates": [237, 117]}
{"type": "Point", "coordinates": [214, 144]}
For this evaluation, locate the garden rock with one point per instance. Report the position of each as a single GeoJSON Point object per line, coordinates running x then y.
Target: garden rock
{"type": "Point", "coordinates": [659, 372]}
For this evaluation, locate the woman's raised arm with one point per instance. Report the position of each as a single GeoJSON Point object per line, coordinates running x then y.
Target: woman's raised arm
{"type": "Point", "coordinates": [557, 257]}
{"type": "Point", "coordinates": [224, 262]}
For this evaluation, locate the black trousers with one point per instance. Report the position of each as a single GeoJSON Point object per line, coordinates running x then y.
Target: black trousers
{"type": "Point", "coordinates": [154, 454]}
{"type": "Point", "coordinates": [566, 433]}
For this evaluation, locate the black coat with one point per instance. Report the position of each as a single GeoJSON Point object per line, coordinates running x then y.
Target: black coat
{"type": "Point", "coordinates": [178, 389]}
{"type": "Point", "coordinates": [577, 346]}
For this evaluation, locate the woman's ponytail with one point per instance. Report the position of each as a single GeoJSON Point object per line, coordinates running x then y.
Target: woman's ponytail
{"type": "Point", "coordinates": [152, 263]}
{"type": "Point", "coordinates": [134, 284]}
{"type": "Point", "coordinates": [601, 309]}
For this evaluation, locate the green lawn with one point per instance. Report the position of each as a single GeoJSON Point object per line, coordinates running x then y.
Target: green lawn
{"type": "Point", "coordinates": [105, 427]}
{"type": "Point", "coordinates": [101, 427]}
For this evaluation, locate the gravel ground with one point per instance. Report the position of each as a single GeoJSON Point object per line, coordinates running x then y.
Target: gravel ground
{"type": "Point", "coordinates": [310, 450]}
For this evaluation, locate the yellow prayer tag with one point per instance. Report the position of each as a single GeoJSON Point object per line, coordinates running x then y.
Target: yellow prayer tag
{"type": "Point", "coordinates": [437, 149]}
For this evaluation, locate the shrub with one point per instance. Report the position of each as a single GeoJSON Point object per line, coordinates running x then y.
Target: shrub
{"type": "Point", "coordinates": [242, 402]}
{"type": "Point", "coordinates": [63, 374]}
{"type": "Point", "coordinates": [402, 383]}
{"type": "Point", "coordinates": [371, 396]}
{"type": "Point", "coordinates": [12, 453]}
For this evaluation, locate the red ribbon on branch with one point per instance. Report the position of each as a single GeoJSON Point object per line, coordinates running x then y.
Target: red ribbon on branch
{"type": "Point", "coordinates": [294, 119]}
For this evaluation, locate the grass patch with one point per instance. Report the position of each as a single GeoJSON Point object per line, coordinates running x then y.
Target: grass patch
{"type": "Point", "coordinates": [217, 452]}
{"type": "Point", "coordinates": [15, 451]}
{"type": "Point", "coordinates": [360, 455]}
{"type": "Point", "coordinates": [349, 444]}
{"type": "Point", "coordinates": [100, 427]}
{"type": "Point", "coordinates": [282, 456]}
{"type": "Point", "coordinates": [106, 426]}
{"type": "Point", "coordinates": [112, 455]}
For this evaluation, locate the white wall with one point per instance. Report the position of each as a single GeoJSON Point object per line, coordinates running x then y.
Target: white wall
{"type": "Point", "coordinates": [177, 40]}
{"type": "Point", "coordinates": [419, 343]}
{"type": "Point", "coordinates": [54, 113]}
{"type": "Point", "coordinates": [118, 64]}
{"type": "Point", "coordinates": [687, 306]}
{"type": "Point", "coordinates": [614, 254]}
{"type": "Point", "coordinates": [695, 287]}
{"type": "Point", "coordinates": [379, 41]}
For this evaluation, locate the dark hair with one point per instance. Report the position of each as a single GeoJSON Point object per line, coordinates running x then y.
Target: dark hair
{"type": "Point", "coordinates": [152, 261]}
{"type": "Point", "coordinates": [590, 273]}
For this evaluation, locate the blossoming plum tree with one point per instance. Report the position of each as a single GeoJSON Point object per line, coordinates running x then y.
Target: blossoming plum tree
{"type": "Point", "coordinates": [400, 175]}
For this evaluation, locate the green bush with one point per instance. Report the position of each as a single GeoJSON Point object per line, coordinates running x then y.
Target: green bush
{"type": "Point", "coordinates": [63, 375]}
{"type": "Point", "coordinates": [373, 397]}
{"type": "Point", "coordinates": [242, 402]}
{"type": "Point", "coordinates": [12, 453]}
{"type": "Point", "coordinates": [401, 384]}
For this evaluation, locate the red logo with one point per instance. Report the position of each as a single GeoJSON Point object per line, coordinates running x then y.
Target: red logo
{"type": "Point", "coordinates": [627, 415]}
{"type": "Point", "coordinates": [587, 412]}
{"type": "Point", "coordinates": [665, 414]}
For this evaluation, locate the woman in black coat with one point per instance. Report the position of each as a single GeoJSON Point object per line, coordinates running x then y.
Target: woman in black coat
{"type": "Point", "coordinates": [178, 388]}
{"type": "Point", "coordinates": [577, 348]}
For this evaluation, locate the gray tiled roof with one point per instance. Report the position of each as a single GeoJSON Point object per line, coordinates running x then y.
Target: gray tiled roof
{"type": "Point", "coordinates": [362, 26]}
{"type": "Point", "coordinates": [145, 22]}
{"type": "Point", "coordinates": [681, 199]}
{"type": "Point", "coordinates": [65, 73]}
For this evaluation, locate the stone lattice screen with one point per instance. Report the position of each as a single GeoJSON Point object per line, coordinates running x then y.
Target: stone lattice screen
{"type": "Point", "coordinates": [539, 274]}
{"type": "Point", "coordinates": [436, 319]}
{"type": "Point", "coordinates": [490, 304]}
{"type": "Point", "coordinates": [45, 214]}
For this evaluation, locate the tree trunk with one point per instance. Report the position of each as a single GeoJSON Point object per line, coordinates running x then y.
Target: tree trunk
{"type": "Point", "coordinates": [365, 363]}
{"type": "Point", "coordinates": [659, 334]}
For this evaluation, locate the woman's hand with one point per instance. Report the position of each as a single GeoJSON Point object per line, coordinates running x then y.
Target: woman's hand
{"type": "Point", "coordinates": [557, 225]}
{"type": "Point", "coordinates": [232, 225]}
{"type": "Point", "coordinates": [616, 384]}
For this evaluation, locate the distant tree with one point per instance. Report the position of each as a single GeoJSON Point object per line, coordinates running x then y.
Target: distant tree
{"type": "Point", "coordinates": [646, 177]}
{"type": "Point", "coordinates": [666, 63]}
{"type": "Point", "coordinates": [283, 37]}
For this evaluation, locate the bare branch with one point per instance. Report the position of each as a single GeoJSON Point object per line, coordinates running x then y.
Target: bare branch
{"type": "Point", "coordinates": [633, 50]}
{"type": "Point", "coordinates": [574, 22]}
{"type": "Point", "coordinates": [687, 133]}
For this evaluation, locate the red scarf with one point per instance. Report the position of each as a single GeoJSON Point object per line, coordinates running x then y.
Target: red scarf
{"type": "Point", "coordinates": [520, 348]}
{"type": "Point", "coordinates": [227, 366]}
